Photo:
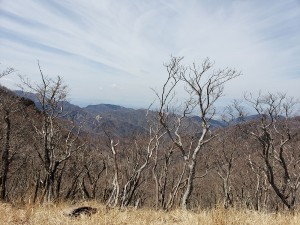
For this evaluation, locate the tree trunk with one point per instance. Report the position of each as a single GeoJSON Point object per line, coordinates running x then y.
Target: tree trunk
{"type": "Point", "coordinates": [5, 157]}
{"type": "Point", "coordinates": [189, 186]}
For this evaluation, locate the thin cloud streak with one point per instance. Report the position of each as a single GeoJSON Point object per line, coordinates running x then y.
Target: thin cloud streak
{"type": "Point", "coordinates": [126, 42]}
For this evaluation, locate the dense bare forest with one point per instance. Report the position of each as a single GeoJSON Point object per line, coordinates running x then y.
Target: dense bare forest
{"type": "Point", "coordinates": [252, 161]}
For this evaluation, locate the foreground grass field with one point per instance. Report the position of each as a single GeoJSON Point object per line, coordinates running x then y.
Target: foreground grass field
{"type": "Point", "coordinates": [56, 214]}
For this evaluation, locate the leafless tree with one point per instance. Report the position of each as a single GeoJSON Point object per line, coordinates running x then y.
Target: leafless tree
{"type": "Point", "coordinates": [92, 179]}
{"type": "Point", "coordinates": [262, 186]}
{"type": "Point", "coordinates": [137, 158]}
{"type": "Point", "coordinates": [274, 133]}
{"type": "Point", "coordinates": [204, 87]}
{"type": "Point", "coordinates": [224, 167]}
{"type": "Point", "coordinates": [114, 196]}
{"type": "Point", "coordinates": [161, 174]}
{"type": "Point", "coordinates": [8, 105]}
{"type": "Point", "coordinates": [7, 71]}
{"type": "Point", "coordinates": [60, 140]}
{"type": "Point", "coordinates": [146, 148]}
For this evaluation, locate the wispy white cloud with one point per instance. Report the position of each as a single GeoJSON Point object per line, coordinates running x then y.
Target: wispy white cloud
{"type": "Point", "coordinates": [100, 43]}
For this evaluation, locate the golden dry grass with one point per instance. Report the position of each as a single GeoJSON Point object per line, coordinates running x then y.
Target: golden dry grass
{"type": "Point", "coordinates": [56, 214]}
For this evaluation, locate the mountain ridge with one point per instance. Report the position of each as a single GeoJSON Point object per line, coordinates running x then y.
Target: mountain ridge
{"type": "Point", "coordinates": [120, 120]}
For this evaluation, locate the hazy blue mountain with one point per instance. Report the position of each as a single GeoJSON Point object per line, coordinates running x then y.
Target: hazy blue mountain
{"type": "Point", "coordinates": [122, 121]}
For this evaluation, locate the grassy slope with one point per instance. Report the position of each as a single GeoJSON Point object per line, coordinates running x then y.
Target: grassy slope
{"type": "Point", "coordinates": [55, 214]}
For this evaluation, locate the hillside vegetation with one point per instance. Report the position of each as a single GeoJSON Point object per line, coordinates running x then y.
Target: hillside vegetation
{"type": "Point", "coordinates": [170, 164]}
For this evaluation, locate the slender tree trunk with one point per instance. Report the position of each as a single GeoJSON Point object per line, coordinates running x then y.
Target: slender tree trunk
{"type": "Point", "coordinates": [37, 186]}
{"type": "Point", "coordinates": [189, 186]}
{"type": "Point", "coordinates": [5, 157]}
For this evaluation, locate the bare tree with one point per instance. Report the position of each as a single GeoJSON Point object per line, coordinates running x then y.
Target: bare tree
{"type": "Point", "coordinates": [60, 140]}
{"type": "Point", "coordinates": [8, 105]}
{"type": "Point", "coordinates": [274, 133]}
{"type": "Point", "coordinates": [146, 148]}
{"type": "Point", "coordinates": [165, 198]}
{"type": "Point", "coordinates": [114, 196]}
{"type": "Point", "coordinates": [224, 168]}
{"type": "Point", "coordinates": [142, 152]}
{"type": "Point", "coordinates": [7, 71]}
{"type": "Point", "coordinates": [262, 186]}
{"type": "Point", "coordinates": [203, 91]}
{"type": "Point", "coordinates": [92, 178]}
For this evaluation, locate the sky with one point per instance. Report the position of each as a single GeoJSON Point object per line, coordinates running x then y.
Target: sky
{"type": "Point", "coordinates": [113, 51]}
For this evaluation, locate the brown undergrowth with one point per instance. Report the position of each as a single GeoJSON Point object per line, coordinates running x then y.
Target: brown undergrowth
{"type": "Point", "coordinates": [57, 214]}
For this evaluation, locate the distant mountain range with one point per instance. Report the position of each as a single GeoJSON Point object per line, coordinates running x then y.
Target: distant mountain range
{"type": "Point", "coordinates": [121, 121]}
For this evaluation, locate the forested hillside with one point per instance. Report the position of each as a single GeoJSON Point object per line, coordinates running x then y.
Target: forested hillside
{"type": "Point", "coordinates": [53, 151]}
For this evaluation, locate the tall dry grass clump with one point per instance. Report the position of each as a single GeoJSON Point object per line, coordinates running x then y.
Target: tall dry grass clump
{"type": "Point", "coordinates": [57, 214]}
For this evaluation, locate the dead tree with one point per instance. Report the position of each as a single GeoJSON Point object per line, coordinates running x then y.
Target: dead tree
{"type": "Point", "coordinates": [262, 187]}
{"type": "Point", "coordinates": [7, 71]}
{"type": "Point", "coordinates": [9, 105]}
{"type": "Point", "coordinates": [114, 196]}
{"type": "Point", "coordinates": [73, 189]}
{"type": "Point", "coordinates": [274, 133]}
{"type": "Point", "coordinates": [224, 167]}
{"type": "Point", "coordinates": [6, 158]}
{"type": "Point", "coordinates": [226, 153]}
{"type": "Point", "coordinates": [146, 148]}
{"type": "Point", "coordinates": [203, 90]}
{"type": "Point", "coordinates": [92, 179]}
{"type": "Point", "coordinates": [124, 191]}
{"type": "Point", "coordinates": [60, 140]}
{"type": "Point", "coordinates": [161, 178]}
{"type": "Point", "coordinates": [168, 176]}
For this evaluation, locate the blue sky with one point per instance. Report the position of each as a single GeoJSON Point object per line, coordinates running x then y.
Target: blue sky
{"type": "Point", "coordinates": [112, 51]}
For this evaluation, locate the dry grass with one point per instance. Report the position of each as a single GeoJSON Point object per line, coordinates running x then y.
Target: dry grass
{"type": "Point", "coordinates": [56, 214]}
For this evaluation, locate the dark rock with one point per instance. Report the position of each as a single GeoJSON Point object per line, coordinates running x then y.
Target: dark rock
{"type": "Point", "coordinates": [85, 210]}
